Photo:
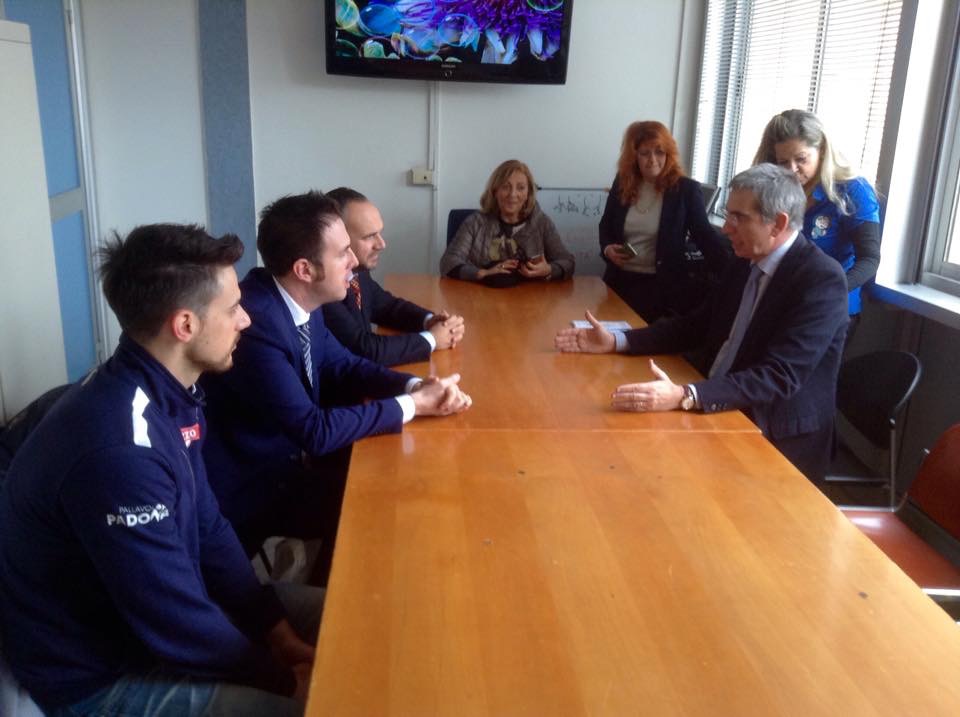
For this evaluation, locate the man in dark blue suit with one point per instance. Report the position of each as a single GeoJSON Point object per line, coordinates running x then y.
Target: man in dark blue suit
{"type": "Point", "coordinates": [769, 339]}
{"type": "Point", "coordinates": [368, 303]}
{"type": "Point", "coordinates": [294, 394]}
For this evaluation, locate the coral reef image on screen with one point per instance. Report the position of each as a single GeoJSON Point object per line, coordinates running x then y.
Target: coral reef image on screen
{"type": "Point", "coordinates": [489, 31]}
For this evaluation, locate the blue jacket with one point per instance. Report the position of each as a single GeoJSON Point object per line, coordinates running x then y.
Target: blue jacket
{"type": "Point", "coordinates": [114, 557]}
{"type": "Point", "coordinates": [352, 326]}
{"type": "Point", "coordinates": [264, 413]}
{"type": "Point", "coordinates": [834, 232]}
{"type": "Point", "coordinates": [784, 375]}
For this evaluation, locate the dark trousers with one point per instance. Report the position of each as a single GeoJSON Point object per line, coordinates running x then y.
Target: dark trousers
{"type": "Point", "coordinates": [639, 291]}
{"type": "Point", "coordinates": [810, 454]}
{"type": "Point", "coordinates": [305, 504]}
{"type": "Point", "coordinates": [656, 295]}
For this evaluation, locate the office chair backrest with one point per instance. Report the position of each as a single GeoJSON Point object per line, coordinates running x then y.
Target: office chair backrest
{"type": "Point", "coordinates": [873, 389]}
{"type": "Point", "coordinates": [936, 489]}
{"type": "Point", "coordinates": [22, 425]}
{"type": "Point", "coordinates": [454, 220]}
{"type": "Point", "coordinates": [710, 194]}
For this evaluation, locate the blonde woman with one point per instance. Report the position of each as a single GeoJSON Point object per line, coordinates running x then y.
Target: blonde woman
{"type": "Point", "coordinates": [843, 214]}
{"type": "Point", "coordinates": [510, 239]}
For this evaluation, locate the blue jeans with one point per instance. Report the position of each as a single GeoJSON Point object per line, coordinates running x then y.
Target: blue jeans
{"type": "Point", "coordinates": [159, 693]}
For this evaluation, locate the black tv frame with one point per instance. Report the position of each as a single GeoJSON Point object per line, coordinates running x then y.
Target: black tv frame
{"type": "Point", "coordinates": [526, 70]}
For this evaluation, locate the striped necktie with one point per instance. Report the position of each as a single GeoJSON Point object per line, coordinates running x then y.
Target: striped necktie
{"type": "Point", "coordinates": [304, 331]}
{"type": "Point", "coordinates": [748, 300]}
{"type": "Point", "coordinates": [355, 285]}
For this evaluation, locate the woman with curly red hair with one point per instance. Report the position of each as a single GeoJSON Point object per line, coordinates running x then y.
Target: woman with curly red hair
{"type": "Point", "coordinates": [651, 209]}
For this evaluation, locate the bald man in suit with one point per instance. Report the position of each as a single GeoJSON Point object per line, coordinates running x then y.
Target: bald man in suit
{"type": "Point", "coordinates": [366, 303]}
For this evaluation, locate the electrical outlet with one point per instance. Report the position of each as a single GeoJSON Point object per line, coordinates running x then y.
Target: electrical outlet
{"type": "Point", "coordinates": [421, 176]}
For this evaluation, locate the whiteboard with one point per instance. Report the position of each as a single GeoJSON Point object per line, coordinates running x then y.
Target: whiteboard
{"type": "Point", "coordinates": [577, 212]}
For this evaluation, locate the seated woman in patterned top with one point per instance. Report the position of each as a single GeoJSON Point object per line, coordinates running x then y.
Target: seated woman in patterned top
{"type": "Point", "coordinates": [510, 239]}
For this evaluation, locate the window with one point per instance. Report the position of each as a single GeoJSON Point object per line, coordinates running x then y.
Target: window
{"type": "Point", "coordinates": [942, 260]}
{"type": "Point", "coordinates": [832, 57]}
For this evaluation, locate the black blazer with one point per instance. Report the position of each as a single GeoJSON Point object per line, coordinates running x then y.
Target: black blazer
{"type": "Point", "coordinates": [352, 326]}
{"type": "Point", "coordinates": [784, 375]}
{"type": "Point", "coordinates": [683, 215]}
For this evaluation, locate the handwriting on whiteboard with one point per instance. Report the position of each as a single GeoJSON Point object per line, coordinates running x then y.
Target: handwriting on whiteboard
{"type": "Point", "coordinates": [576, 213]}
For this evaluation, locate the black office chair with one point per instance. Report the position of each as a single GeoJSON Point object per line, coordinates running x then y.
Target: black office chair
{"type": "Point", "coordinates": [21, 426]}
{"type": "Point", "coordinates": [872, 392]}
{"type": "Point", "coordinates": [710, 193]}
{"type": "Point", "coordinates": [454, 220]}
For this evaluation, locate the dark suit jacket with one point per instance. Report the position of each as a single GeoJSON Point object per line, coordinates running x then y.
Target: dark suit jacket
{"type": "Point", "coordinates": [784, 375]}
{"type": "Point", "coordinates": [352, 327]}
{"type": "Point", "coordinates": [683, 214]}
{"type": "Point", "coordinates": [263, 413]}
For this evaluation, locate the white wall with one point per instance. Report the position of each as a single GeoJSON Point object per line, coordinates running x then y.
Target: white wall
{"type": "Point", "coordinates": [315, 130]}
{"type": "Point", "coordinates": [143, 84]}
{"type": "Point", "coordinates": [31, 336]}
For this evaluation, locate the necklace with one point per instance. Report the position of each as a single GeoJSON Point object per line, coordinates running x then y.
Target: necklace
{"type": "Point", "coordinates": [650, 204]}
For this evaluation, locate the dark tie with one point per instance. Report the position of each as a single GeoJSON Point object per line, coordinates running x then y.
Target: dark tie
{"type": "Point", "coordinates": [355, 285]}
{"type": "Point", "coordinates": [304, 331]}
{"type": "Point", "coordinates": [728, 351]}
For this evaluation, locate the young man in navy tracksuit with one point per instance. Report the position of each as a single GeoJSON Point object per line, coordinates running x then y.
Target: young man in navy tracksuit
{"type": "Point", "coordinates": [123, 590]}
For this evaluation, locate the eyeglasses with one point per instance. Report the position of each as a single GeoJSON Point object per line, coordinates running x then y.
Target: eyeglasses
{"type": "Point", "coordinates": [648, 153]}
{"type": "Point", "coordinates": [735, 218]}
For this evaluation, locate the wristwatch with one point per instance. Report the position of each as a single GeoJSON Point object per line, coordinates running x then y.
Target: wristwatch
{"type": "Point", "coordinates": [688, 402]}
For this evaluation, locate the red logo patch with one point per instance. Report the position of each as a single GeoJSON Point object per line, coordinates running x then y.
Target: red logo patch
{"type": "Point", "coordinates": [190, 433]}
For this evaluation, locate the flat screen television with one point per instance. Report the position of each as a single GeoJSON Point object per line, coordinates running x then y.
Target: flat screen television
{"type": "Point", "coordinates": [521, 41]}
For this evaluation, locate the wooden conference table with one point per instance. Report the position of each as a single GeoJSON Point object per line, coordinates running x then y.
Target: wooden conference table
{"type": "Point", "coordinates": [611, 567]}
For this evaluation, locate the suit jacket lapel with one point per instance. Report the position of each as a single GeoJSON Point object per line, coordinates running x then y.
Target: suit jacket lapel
{"type": "Point", "coordinates": [293, 335]}
{"type": "Point", "coordinates": [773, 295]}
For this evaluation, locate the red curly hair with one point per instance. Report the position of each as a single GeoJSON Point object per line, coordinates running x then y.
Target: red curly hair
{"type": "Point", "coordinates": [629, 173]}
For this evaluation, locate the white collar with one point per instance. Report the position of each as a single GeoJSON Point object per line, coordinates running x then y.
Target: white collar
{"type": "Point", "coordinates": [768, 264]}
{"type": "Point", "coordinates": [298, 313]}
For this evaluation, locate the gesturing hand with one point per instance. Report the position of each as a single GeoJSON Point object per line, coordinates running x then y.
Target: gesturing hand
{"type": "Point", "coordinates": [596, 340]}
{"type": "Point", "coordinates": [659, 395]}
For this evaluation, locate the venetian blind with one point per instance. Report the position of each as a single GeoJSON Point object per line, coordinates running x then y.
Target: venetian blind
{"type": "Point", "coordinates": [831, 57]}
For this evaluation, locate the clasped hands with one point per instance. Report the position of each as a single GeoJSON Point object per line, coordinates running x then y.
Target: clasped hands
{"type": "Point", "coordinates": [436, 396]}
{"type": "Point", "coordinates": [536, 268]}
{"type": "Point", "coordinates": [447, 330]}
{"type": "Point", "coordinates": [661, 394]}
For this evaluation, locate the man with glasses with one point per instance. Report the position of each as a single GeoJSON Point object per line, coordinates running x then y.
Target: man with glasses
{"type": "Point", "coordinates": [770, 338]}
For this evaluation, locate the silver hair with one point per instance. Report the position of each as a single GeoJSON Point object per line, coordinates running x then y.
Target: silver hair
{"type": "Point", "coordinates": [776, 189]}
